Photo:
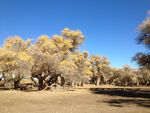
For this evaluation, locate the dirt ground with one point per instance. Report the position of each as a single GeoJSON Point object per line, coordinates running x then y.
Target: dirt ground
{"type": "Point", "coordinates": [89, 100]}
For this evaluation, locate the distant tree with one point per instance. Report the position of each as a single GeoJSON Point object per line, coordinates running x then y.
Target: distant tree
{"type": "Point", "coordinates": [129, 77]}
{"type": "Point", "coordinates": [125, 76]}
{"type": "Point", "coordinates": [144, 76]}
{"type": "Point", "coordinates": [100, 69]}
{"type": "Point", "coordinates": [56, 60]}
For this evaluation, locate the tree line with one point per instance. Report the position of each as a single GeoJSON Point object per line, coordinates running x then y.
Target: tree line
{"type": "Point", "coordinates": [57, 60]}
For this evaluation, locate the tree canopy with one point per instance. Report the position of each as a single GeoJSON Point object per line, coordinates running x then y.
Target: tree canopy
{"type": "Point", "coordinates": [58, 60]}
{"type": "Point", "coordinates": [143, 59]}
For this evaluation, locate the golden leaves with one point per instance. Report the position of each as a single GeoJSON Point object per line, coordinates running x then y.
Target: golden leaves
{"type": "Point", "coordinates": [68, 64]}
{"type": "Point", "coordinates": [42, 39]}
{"type": "Point", "coordinates": [59, 49]}
{"type": "Point", "coordinates": [68, 44]}
{"type": "Point", "coordinates": [76, 37]}
{"type": "Point", "coordinates": [95, 59]}
{"type": "Point", "coordinates": [17, 44]}
{"type": "Point", "coordinates": [58, 39]}
{"type": "Point", "coordinates": [24, 57]}
{"type": "Point", "coordinates": [7, 59]}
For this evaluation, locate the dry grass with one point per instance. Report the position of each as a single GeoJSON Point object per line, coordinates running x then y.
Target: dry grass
{"type": "Point", "coordinates": [73, 101]}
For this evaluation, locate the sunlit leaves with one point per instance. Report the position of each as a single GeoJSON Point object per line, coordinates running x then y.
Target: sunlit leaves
{"type": "Point", "coordinates": [42, 39]}
{"type": "Point", "coordinates": [58, 55]}
{"type": "Point", "coordinates": [17, 44]}
{"type": "Point", "coordinates": [76, 37]}
{"type": "Point", "coordinates": [23, 56]}
{"type": "Point", "coordinates": [7, 60]}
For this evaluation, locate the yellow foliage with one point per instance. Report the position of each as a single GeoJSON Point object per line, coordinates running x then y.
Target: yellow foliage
{"type": "Point", "coordinates": [95, 59]}
{"type": "Point", "coordinates": [76, 33]}
{"type": "Point", "coordinates": [66, 32]}
{"type": "Point", "coordinates": [68, 64]}
{"type": "Point", "coordinates": [89, 73]}
{"type": "Point", "coordinates": [11, 63]}
{"type": "Point", "coordinates": [17, 44]}
{"type": "Point", "coordinates": [7, 59]}
{"type": "Point", "coordinates": [73, 57]}
{"type": "Point", "coordinates": [42, 39]}
{"type": "Point", "coordinates": [14, 43]}
{"type": "Point", "coordinates": [87, 63]}
{"type": "Point", "coordinates": [50, 45]}
{"type": "Point", "coordinates": [70, 33]}
{"type": "Point", "coordinates": [6, 53]}
{"type": "Point", "coordinates": [76, 36]}
{"type": "Point", "coordinates": [24, 56]}
{"type": "Point", "coordinates": [58, 39]}
{"type": "Point", "coordinates": [68, 43]}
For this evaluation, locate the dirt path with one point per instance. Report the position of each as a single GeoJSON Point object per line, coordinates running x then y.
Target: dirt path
{"type": "Point", "coordinates": [78, 101]}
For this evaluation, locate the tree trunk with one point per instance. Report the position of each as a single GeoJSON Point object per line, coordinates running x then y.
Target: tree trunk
{"type": "Point", "coordinates": [16, 84]}
{"type": "Point", "coordinates": [82, 84]}
{"type": "Point", "coordinates": [59, 80]}
{"type": "Point", "coordinates": [41, 85]}
{"type": "Point", "coordinates": [73, 84]}
{"type": "Point", "coordinates": [137, 82]}
{"type": "Point", "coordinates": [98, 81]}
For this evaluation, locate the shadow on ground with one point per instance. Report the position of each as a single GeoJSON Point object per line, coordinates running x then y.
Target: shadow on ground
{"type": "Point", "coordinates": [125, 97]}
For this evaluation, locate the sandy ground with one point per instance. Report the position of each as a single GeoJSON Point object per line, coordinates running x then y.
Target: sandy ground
{"type": "Point", "coordinates": [75, 101]}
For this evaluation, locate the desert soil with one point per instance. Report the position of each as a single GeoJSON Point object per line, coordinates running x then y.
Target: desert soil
{"type": "Point", "coordinates": [74, 101]}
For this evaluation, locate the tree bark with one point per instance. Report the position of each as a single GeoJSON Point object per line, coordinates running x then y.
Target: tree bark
{"type": "Point", "coordinates": [16, 84]}
{"type": "Point", "coordinates": [41, 85]}
{"type": "Point", "coordinates": [59, 80]}
{"type": "Point", "coordinates": [73, 84]}
{"type": "Point", "coordinates": [98, 81]}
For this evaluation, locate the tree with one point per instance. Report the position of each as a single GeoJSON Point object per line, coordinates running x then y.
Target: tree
{"type": "Point", "coordinates": [15, 61]}
{"type": "Point", "coordinates": [52, 56]}
{"type": "Point", "coordinates": [144, 76]}
{"type": "Point", "coordinates": [46, 60]}
{"type": "Point", "coordinates": [56, 61]}
{"type": "Point", "coordinates": [76, 68]}
{"type": "Point", "coordinates": [129, 77]}
{"type": "Point", "coordinates": [100, 69]}
{"type": "Point", "coordinates": [143, 59]}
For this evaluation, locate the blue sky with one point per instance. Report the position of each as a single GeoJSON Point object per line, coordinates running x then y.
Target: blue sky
{"type": "Point", "coordinates": [110, 26]}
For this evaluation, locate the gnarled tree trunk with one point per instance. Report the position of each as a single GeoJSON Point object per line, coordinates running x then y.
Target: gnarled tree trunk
{"type": "Point", "coordinates": [16, 84]}
{"type": "Point", "coordinates": [98, 81]}
{"type": "Point", "coordinates": [41, 84]}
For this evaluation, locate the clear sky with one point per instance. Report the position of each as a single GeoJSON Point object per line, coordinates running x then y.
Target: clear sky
{"type": "Point", "coordinates": [110, 26]}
